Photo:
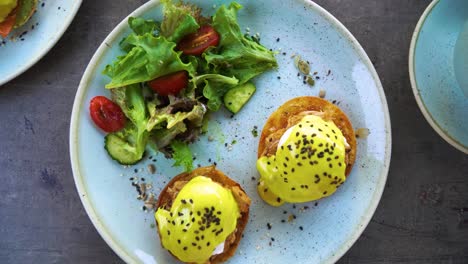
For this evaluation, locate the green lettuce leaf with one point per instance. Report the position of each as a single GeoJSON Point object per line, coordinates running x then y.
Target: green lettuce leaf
{"type": "Point", "coordinates": [133, 138]}
{"type": "Point", "coordinates": [215, 86]}
{"type": "Point", "coordinates": [150, 58]}
{"type": "Point", "coordinates": [131, 101]}
{"type": "Point", "coordinates": [182, 155]}
{"type": "Point", "coordinates": [141, 26]}
{"type": "Point", "coordinates": [179, 20]}
{"type": "Point", "coordinates": [237, 55]}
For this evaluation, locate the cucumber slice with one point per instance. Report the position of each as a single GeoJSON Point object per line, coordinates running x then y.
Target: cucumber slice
{"type": "Point", "coordinates": [120, 151]}
{"type": "Point", "coordinates": [238, 96]}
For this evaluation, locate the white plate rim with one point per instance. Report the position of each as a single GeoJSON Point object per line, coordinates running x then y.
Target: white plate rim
{"type": "Point", "coordinates": [414, 85]}
{"type": "Point", "coordinates": [73, 140]}
{"type": "Point", "coordinates": [36, 57]}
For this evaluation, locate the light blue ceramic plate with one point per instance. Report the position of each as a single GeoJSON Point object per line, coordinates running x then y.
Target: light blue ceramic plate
{"type": "Point", "coordinates": [27, 45]}
{"type": "Point", "coordinates": [438, 66]}
{"type": "Point", "coordinates": [331, 227]}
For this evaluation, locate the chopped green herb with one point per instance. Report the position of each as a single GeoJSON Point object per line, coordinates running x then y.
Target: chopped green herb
{"type": "Point", "coordinates": [255, 132]}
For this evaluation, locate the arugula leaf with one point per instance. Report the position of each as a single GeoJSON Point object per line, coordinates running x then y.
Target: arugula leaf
{"type": "Point", "coordinates": [237, 55]}
{"type": "Point", "coordinates": [179, 20]}
{"type": "Point", "coordinates": [151, 57]}
{"type": "Point", "coordinates": [182, 155]}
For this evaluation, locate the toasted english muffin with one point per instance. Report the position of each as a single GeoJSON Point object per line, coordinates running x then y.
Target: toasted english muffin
{"type": "Point", "coordinates": [172, 189]}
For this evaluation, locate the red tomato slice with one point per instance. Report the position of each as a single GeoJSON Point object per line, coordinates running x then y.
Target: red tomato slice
{"type": "Point", "coordinates": [170, 84]}
{"type": "Point", "coordinates": [196, 43]}
{"type": "Point", "coordinates": [7, 25]}
{"type": "Point", "coordinates": [106, 114]}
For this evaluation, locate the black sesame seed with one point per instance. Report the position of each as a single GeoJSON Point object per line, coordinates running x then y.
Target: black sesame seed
{"type": "Point", "coordinates": [283, 221]}
{"type": "Point", "coordinates": [325, 192]}
{"type": "Point", "coordinates": [183, 201]}
{"type": "Point", "coordinates": [199, 247]}
{"type": "Point", "coordinates": [268, 226]}
{"type": "Point", "coordinates": [278, 200]}
{"type": "Point", "coordinates": [184, 230]}
{"type": "Point", "coordinates": [178, 241]}
{"type": "Point", "coordinates": [194, 244]}
{"type": "Point", "coordinates": [185, 248]}
{"type": "Point", "coordinates": [301, 228]}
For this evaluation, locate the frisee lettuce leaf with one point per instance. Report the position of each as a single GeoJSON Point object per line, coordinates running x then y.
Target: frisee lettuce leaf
{"type": "Point", "coordinates": [150, 58]}
{"type": "Point", "coordinates": [182, 155]}
{"type": "Point", "coordinates": [164, 118]}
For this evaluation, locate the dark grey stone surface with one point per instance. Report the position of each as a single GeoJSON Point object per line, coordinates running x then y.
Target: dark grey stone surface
{"type": "Point", "coordinates": [419, 219]}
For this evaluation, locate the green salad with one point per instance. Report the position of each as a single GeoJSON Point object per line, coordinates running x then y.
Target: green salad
{"type": "Point", "coordinates": [173, 73]}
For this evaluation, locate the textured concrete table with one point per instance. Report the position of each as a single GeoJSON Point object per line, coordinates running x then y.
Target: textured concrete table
{"type": "Point", "coordinates": [419, 220]}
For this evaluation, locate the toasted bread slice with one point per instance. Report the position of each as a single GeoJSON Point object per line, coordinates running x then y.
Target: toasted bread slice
{"type": "Point", "coordinates": [292, 112]}
{"type": "Point", "coordinates": [169, 193]}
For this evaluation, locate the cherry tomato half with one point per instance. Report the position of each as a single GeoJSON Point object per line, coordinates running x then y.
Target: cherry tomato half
{"type": "Point", "coordinates": [196, 43]}
{"type": "Point", "coordinates": [106, 114]}
{"type": "Point", "coordinates": [170, 84]}
{"type": "Point", "coordinates": [7, 25]}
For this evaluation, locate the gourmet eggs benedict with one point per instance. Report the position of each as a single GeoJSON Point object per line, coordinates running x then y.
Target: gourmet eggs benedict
{"type": "Point", "coordinates": [306, 150]}
{"type": "Point", "coordinates": [201, 216]}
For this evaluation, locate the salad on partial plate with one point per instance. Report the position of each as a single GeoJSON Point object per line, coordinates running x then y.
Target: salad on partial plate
{"type": "Point", "coordinates": [172, 74]}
